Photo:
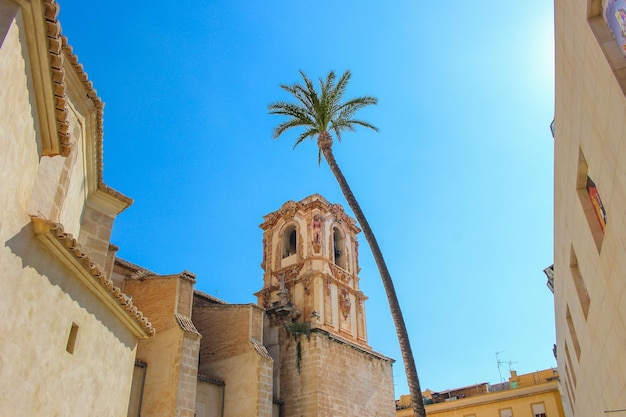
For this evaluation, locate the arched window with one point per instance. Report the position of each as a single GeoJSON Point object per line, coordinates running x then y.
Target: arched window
{"type": "Point", "coordinates": [339, 248]}
{"type": "Point", "coordinates": [290, 241]}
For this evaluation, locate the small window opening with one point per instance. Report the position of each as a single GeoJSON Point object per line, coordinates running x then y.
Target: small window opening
{"type": "Point", "coordinates": [290, 241]}
{"type": "Point", "coordinates": [572, 330]}
{"type": "Point", "coordinates": [614, 15]}
{"type": "Point", "coordinates": [539, 410]}
{"type": "Point", "coordinates": [506, 412]}
{"type": "Point", "coordinates": [71, 340]}
{"type": "Point", "coordinates": [579, 283]}
{"type": "Point", "coordinates": [591, 202]}
{"type": "Point", "coordinates": [596, 202]}
{"type": "Point", "coordinates": [572, 376]}
{"type": "Point", "coordinates": [338, 249]}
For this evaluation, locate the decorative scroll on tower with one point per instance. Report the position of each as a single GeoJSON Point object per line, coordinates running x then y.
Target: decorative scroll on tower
{"type": "Point", "coordinates": [310, 263]}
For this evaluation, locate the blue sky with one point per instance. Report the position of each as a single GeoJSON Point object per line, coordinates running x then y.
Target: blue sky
{"type": "Point", "coordinates": [458, 184]}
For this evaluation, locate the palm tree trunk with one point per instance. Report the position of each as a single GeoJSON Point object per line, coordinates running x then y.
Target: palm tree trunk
{"type": "Point", "coordinates": [325, 142]}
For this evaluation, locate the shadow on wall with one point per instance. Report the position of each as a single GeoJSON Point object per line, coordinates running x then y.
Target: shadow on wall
{"type": "Point", "coordinates": [33, 254]}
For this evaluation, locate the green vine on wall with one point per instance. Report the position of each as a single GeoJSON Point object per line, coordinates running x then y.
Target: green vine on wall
{"type": "Point", "coordinates": [297, 329]}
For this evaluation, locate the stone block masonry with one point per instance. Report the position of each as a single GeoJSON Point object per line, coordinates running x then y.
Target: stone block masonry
{"type": "Point", "coordinates": [335, 378]}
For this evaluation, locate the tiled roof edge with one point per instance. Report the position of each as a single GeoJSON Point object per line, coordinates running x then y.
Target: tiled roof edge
{"type": "Point", "coordinates": [186, 324]}
{"type": "Point", "coordinates": [66, 240]}
{"type": "Point", "coordinates": [59, 50]}
{"type": "Point", "coordinates": [209, 297]}
{"type": "Point", "coordinates": [56, 59]}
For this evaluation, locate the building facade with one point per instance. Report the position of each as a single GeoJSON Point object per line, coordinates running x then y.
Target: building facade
{"type": "Point", "coordinates": [528, 395]}
{"type": "Point", "coordinates": [590, 204]}
{"type": "Point", "coordinates": [69, 335]}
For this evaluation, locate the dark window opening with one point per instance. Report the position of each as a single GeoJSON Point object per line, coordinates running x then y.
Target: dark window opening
{"type": "Point", "coordinates": [339, 249]}
{"type": "Point", "coordinates": [290, 241]}
{"type": "Point", "coordinates": [71, 340]}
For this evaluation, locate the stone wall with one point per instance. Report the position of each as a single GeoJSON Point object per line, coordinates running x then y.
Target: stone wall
{"type": "Point", "coordinates": [334, 379]}
{"type": "Point", "coordinates": [231, 351]}
{"type": "Point", "coordinates": [188, 376]}
{"type": "Point", "coordinates": [172, 354]}
{"type": "Point", "coordinates": [227, 330]}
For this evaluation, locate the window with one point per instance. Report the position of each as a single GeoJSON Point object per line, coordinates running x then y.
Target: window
{"type": "Point", "coordinates": [614, 15]}
{"type": "Point", "coordinates": [596, 202]}
{"type": "Point", "coordinates": [572, 331]}
{"type": "Point", "coordinates": [71, 340]}
{"type": "Point", "coordinates": [607, 22]}
{"type": "Point", "coordinates": [506, 412]}
{"type": "Point", "coordinates": [290, 241]}
{"type": "Point", "coordinates": [539, 410]}
{"type": "Point", "coordinates": [571, 376]}
{"type": "Point", "coordinates": [591, 202]}
{"type": "Point", "coordinates": [581, 289]}
{"type": "Point", "coordinates": [339, 249]}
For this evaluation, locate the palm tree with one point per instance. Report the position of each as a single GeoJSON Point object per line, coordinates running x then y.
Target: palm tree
{"type": "Point", "coordinates": [321, 112]}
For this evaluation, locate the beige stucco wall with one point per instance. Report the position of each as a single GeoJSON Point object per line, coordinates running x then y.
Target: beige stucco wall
{"type": "Point", "coordinates": [40, 296]}
{"type": "Point", "coordinates": [209, 399]}
{"type": "Point", "coordinates": [18, 139]}
{"type": "Point", "coordinates": [39, 301]}
{"type": "Point", "coordinates": [590, 110]}
{"type": "Point", "coordinates": [162, 354]}
{"type": "Point", "coordinates": [243, 393]}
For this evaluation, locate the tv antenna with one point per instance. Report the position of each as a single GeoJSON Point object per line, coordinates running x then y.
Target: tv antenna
{"type": "Point", "coordinates": [500, 362]}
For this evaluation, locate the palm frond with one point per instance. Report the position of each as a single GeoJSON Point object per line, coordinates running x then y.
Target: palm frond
{"type": "Point", "coordinates": [306, 134]}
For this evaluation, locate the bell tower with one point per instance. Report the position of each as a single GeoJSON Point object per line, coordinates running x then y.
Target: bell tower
{"type": "Point", "coordinates": [310, 263]}
{"type": "Point", "coordinates": [314, 327]}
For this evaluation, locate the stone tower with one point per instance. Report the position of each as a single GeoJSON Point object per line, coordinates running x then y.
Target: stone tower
{"type": "Point", "coordinates": [316, 329]}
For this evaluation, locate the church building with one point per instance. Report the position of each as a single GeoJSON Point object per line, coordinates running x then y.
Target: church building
{"type": "Point", "coordinates": [87, 333]}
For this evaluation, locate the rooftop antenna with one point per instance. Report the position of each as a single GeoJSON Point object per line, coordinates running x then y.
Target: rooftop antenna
{"type": "Point", "coordinates": [498, 361]}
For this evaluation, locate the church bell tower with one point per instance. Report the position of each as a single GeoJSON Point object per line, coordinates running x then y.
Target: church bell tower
{"type": "Point", "coordinates": [310, 264]}
{"type": "Point", "coordinates": [314, 327]}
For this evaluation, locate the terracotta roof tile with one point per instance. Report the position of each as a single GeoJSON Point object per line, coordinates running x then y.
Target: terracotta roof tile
{"type": "Point", "coordinates": [261, 350]}
{"type": "Point", "coordinates": [186, 324]}
{"type": "Point", "coordinates": [58, 51]}
{"type": "Point", "coordinates": [43, 227]}
{"type": "Point", "coordinates": [55, 54]}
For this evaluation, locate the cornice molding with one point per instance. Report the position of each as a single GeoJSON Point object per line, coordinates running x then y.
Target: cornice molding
{"type": "Point", "coordinates": [66, 249]}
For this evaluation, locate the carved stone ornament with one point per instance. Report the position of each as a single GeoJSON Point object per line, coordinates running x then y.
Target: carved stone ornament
{"type": "Point", "coordinates": [307, 285]}
{"type": "Point", "coordinates": [338, 213]}
{"type": "Point", "coordinates": [345, 303]}
{"type": "Point", "coordinates": [360, 298]}
{"type": "Point", "coordinates": [266, 297]}
{"type": "Point", "coordinates": [316, 232]}
{"type": "Point", "coordinates": [289, 273]}
{"type": "Point", "coordinates": [328, 283]}
{"type": "Point", "coordinates": [266, 250]}
{"type": "Point", "coordinates": [289, 209]}
{"type": "Point", "coordinates": [341, 274]}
